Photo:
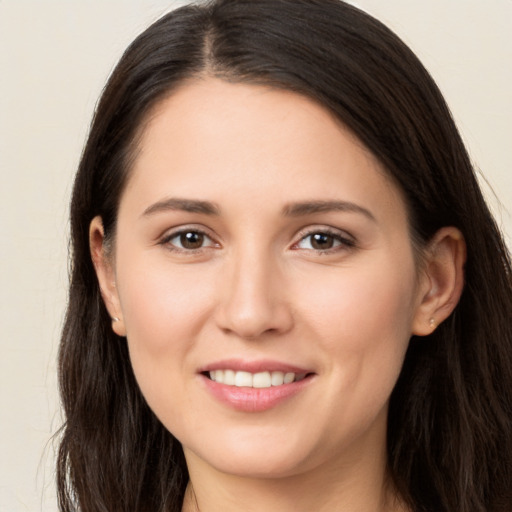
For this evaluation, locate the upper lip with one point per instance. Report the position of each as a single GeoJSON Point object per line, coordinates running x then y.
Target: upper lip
{"type": "Point", "coordinates": [256, 366]}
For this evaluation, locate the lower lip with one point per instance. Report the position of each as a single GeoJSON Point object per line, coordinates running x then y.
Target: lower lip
{"type": "Point", "coordinates": [246, 399]}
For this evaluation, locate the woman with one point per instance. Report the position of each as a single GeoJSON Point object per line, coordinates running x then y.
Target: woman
{"type": "Point", "coordinates": [287, 291]}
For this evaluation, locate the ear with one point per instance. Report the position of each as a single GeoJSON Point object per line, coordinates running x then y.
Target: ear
{"type": "Point", "coordinates": [442, 280]}
{"type": "Point", "coordinates": [106, 275]}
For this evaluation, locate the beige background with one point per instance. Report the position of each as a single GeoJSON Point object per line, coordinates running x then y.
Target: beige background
{"type": "Point", "coordinates": [54, 59]}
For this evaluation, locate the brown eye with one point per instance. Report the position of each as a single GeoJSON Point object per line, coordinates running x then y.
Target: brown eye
{"type": "Point", "coordinates": [191, 240]}
{"type": "Point", "coordinates": [188, 240]}
{"type": "Point", "coordinates": [322, 241]}
{"type": "Point", "coordinates": [325, 241]}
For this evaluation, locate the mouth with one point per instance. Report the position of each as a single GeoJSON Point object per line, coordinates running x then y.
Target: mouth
{"type": "Point", "coordinates": [257, 385]}
{"type": "Point", "coordinates": [259, 380]}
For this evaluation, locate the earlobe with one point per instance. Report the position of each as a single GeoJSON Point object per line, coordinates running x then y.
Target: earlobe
{"type": "Point", "coordinates": [442, 280]}
{"type": "Point", "coordinates": [105, 274]}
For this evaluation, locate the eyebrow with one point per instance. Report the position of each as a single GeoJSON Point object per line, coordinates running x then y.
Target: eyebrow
{"type": "Point", "coordinates": [186, 205]}
{"type": "Point", "coordinates": [290, 210]}
{"type": "Point", "coordinates": [312, 207]}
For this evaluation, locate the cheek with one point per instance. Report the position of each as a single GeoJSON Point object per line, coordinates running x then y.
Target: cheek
{"type": "Point", "coordinates": [163, 309]}
{"type": "Point", "coordinates": [363, 317]}
{"type": "Point", "coordinates": [364, 324]}
{"type": "Point", "coordinates": [365, 299]}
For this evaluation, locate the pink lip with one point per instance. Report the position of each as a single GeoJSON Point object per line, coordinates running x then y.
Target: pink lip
{"type": "Point", "coordinates": [262, 365]}
{"type": "Point", "coordinates": [245, 399]}
{"type": "Point", "coordinates": [254, 399]}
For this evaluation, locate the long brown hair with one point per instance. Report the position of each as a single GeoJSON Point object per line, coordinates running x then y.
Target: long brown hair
{"type": "Point", "coordinates": [450, 417]}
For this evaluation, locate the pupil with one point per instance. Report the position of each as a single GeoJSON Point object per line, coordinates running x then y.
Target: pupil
{"type": "Point", "coordinates": [322, 241]}
{"type": "Point", "coordinates": [191, 240]}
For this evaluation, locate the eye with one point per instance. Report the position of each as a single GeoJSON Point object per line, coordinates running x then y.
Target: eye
{"type": "Point", "coordinates": [188, 240]}
{"type": "Point", "coordinates": [324, 241]}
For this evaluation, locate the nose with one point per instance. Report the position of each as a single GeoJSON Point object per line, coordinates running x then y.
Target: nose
{"type": "Point", "coordinates": [253, 298]}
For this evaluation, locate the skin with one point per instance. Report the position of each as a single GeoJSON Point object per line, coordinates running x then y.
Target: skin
{"type": "Point", "coordinates": [258, 288]}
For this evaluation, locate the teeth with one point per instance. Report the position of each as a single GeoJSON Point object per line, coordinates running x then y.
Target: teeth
{"type": "Point", "coordinates": [261, 380]}
{"type": "Point", "coordinates": [289, 377]}
{"type": "Point", "coordinates": [243, 379]}
{"type": "Point", "coordinates": [277, 378]}
{"type": "Point", "coordinates": [229, 377]}
{"type": "Point", "coordinates": [254, 380]}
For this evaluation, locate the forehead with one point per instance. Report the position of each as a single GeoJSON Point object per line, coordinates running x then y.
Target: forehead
{"type": "Point", "coordinates": [221, 141]}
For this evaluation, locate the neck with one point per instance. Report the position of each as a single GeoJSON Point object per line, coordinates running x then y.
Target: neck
{"type": "Point", "coordinates": [269, 497]}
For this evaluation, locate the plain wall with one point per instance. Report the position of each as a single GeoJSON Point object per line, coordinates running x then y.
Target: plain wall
{"type": "Point", "coordinates": [54, 59]}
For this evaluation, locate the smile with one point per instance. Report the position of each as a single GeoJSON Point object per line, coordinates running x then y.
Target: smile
{"type": "Point", "coordinates": [265, 379]}
{"type": "Point", "coordinates": [254, 386]}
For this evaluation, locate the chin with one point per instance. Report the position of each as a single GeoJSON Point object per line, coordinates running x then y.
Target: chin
{"type": "Point", "coordinates": [252, 460]}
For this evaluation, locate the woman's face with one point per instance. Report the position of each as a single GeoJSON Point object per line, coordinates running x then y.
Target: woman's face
{"type": "Point", "coordinates": [259, 241]}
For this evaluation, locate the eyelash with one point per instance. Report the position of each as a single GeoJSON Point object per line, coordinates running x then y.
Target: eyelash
{"type": "Point", "coordinates": [343, 242]}
{"type": "Point", "coordinates": [166, 240]}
